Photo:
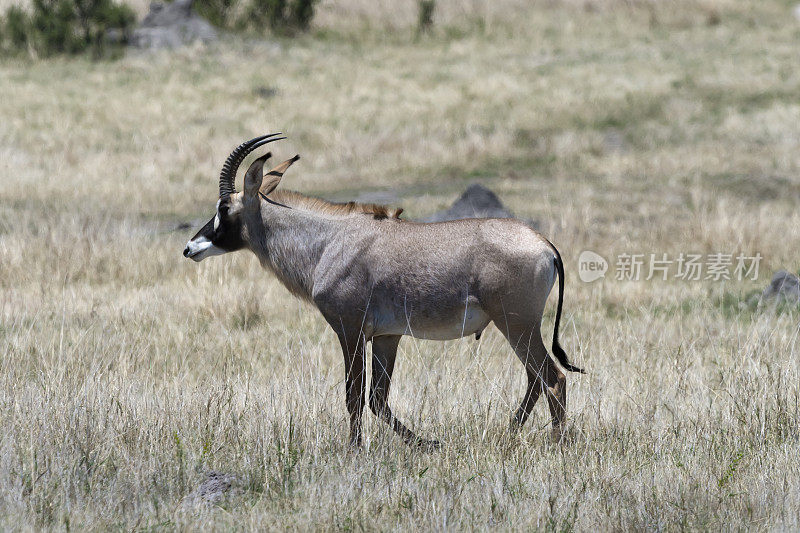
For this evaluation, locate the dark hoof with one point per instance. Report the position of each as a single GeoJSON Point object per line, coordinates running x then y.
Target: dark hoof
{"type": "Point", "coordinates": [429, 445]}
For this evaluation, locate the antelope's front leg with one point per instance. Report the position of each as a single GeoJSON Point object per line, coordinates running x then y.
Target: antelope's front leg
{"type": "Point", "coordinates": [355, 382]}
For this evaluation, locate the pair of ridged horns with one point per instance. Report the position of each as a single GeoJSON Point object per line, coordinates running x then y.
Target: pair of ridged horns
{"type": "Point", "coordinates": [228, 175]}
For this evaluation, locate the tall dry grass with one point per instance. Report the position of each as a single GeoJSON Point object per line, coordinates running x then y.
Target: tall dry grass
{"type": "Point", "coordinates": [128, 372]}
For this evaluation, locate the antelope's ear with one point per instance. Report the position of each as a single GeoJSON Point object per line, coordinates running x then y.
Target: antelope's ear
{"type": "Point", "coordinates": [254, 176]}
{"type": "Point", "coordinates": [273, 177]}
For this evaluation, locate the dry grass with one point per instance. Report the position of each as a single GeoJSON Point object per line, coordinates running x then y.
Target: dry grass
{"type": "Point", "coordinates": [128, 371]}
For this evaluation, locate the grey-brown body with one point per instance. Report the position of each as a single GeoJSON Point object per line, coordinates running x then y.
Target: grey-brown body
{"type": "Point", "coordinates": [431, 281]}
{"type": "Point", "coordinates": [376, 278]}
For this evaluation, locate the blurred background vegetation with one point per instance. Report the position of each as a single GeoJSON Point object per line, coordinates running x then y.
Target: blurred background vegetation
{"type": "Point", "coordinates": [51, 27]}
{"type": "Point", "coordinates": [63, 26]}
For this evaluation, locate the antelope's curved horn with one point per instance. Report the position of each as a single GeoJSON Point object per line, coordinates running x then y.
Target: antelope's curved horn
{"type": "Point", "coordinates": [227, 176]}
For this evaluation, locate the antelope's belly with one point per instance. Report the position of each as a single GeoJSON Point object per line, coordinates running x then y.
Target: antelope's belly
{"type": "Point", "coordinates": [436, 327]}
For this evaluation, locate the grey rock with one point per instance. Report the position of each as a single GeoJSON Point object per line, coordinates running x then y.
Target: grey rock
{"type": "Point", "coordinates": [614, 142]}
{"type": "Point", "coordinates": [265, 92]}
{"type": "Point", "coordinates": [115, 36]}
{"type": "Point", "coordinates": [784, 286]}
{"type": "Point", "coordinates": [476, 202]}
{"type": "Point", "coordinates": [171, 26]}
{"type": "Point", "coordinates": [215, 488]}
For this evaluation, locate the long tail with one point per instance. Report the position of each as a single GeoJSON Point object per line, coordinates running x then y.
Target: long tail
{"type": "Point", "coordinates": [558, 351]}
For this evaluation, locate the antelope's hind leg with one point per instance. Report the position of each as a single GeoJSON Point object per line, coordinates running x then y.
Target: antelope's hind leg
{"type": "Point", "coordinates": [384, 353]}
{"type": "Point", "coordinates": [556, 388]}
{"type": "Point", "coordinates": [542, 373]}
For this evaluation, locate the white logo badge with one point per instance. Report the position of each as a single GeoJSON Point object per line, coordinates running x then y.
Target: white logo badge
{"type": "Point", "coordinates": [591, 266]}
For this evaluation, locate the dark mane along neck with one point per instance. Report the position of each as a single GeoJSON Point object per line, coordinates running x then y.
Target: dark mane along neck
{"type": "Point", "coordinates": [324, 207]}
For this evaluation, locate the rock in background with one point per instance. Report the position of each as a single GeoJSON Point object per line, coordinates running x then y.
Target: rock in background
{"type": "Point", "coordinates": [171, 26]}
{"type": "Point", "coordinates": [475, 202]}
{"type": "Point", "coordinates": [784, 286]}
{"type": "Point", "coordinates": [215, 489]}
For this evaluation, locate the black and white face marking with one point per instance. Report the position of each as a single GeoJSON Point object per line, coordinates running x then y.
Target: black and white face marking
{"type": "Point", "coordinates": [221, 234]}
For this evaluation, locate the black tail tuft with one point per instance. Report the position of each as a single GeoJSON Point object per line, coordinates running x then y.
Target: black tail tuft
{"type": "Point", "coordinates": [558, 351]}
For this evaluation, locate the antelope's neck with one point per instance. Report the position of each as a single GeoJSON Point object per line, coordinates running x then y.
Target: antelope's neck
{"type": "Point", "coordinates": [291, 244]}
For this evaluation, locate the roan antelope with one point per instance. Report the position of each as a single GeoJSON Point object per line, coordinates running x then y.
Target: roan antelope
{"type": "Point", "coordinates": [376, 278]}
